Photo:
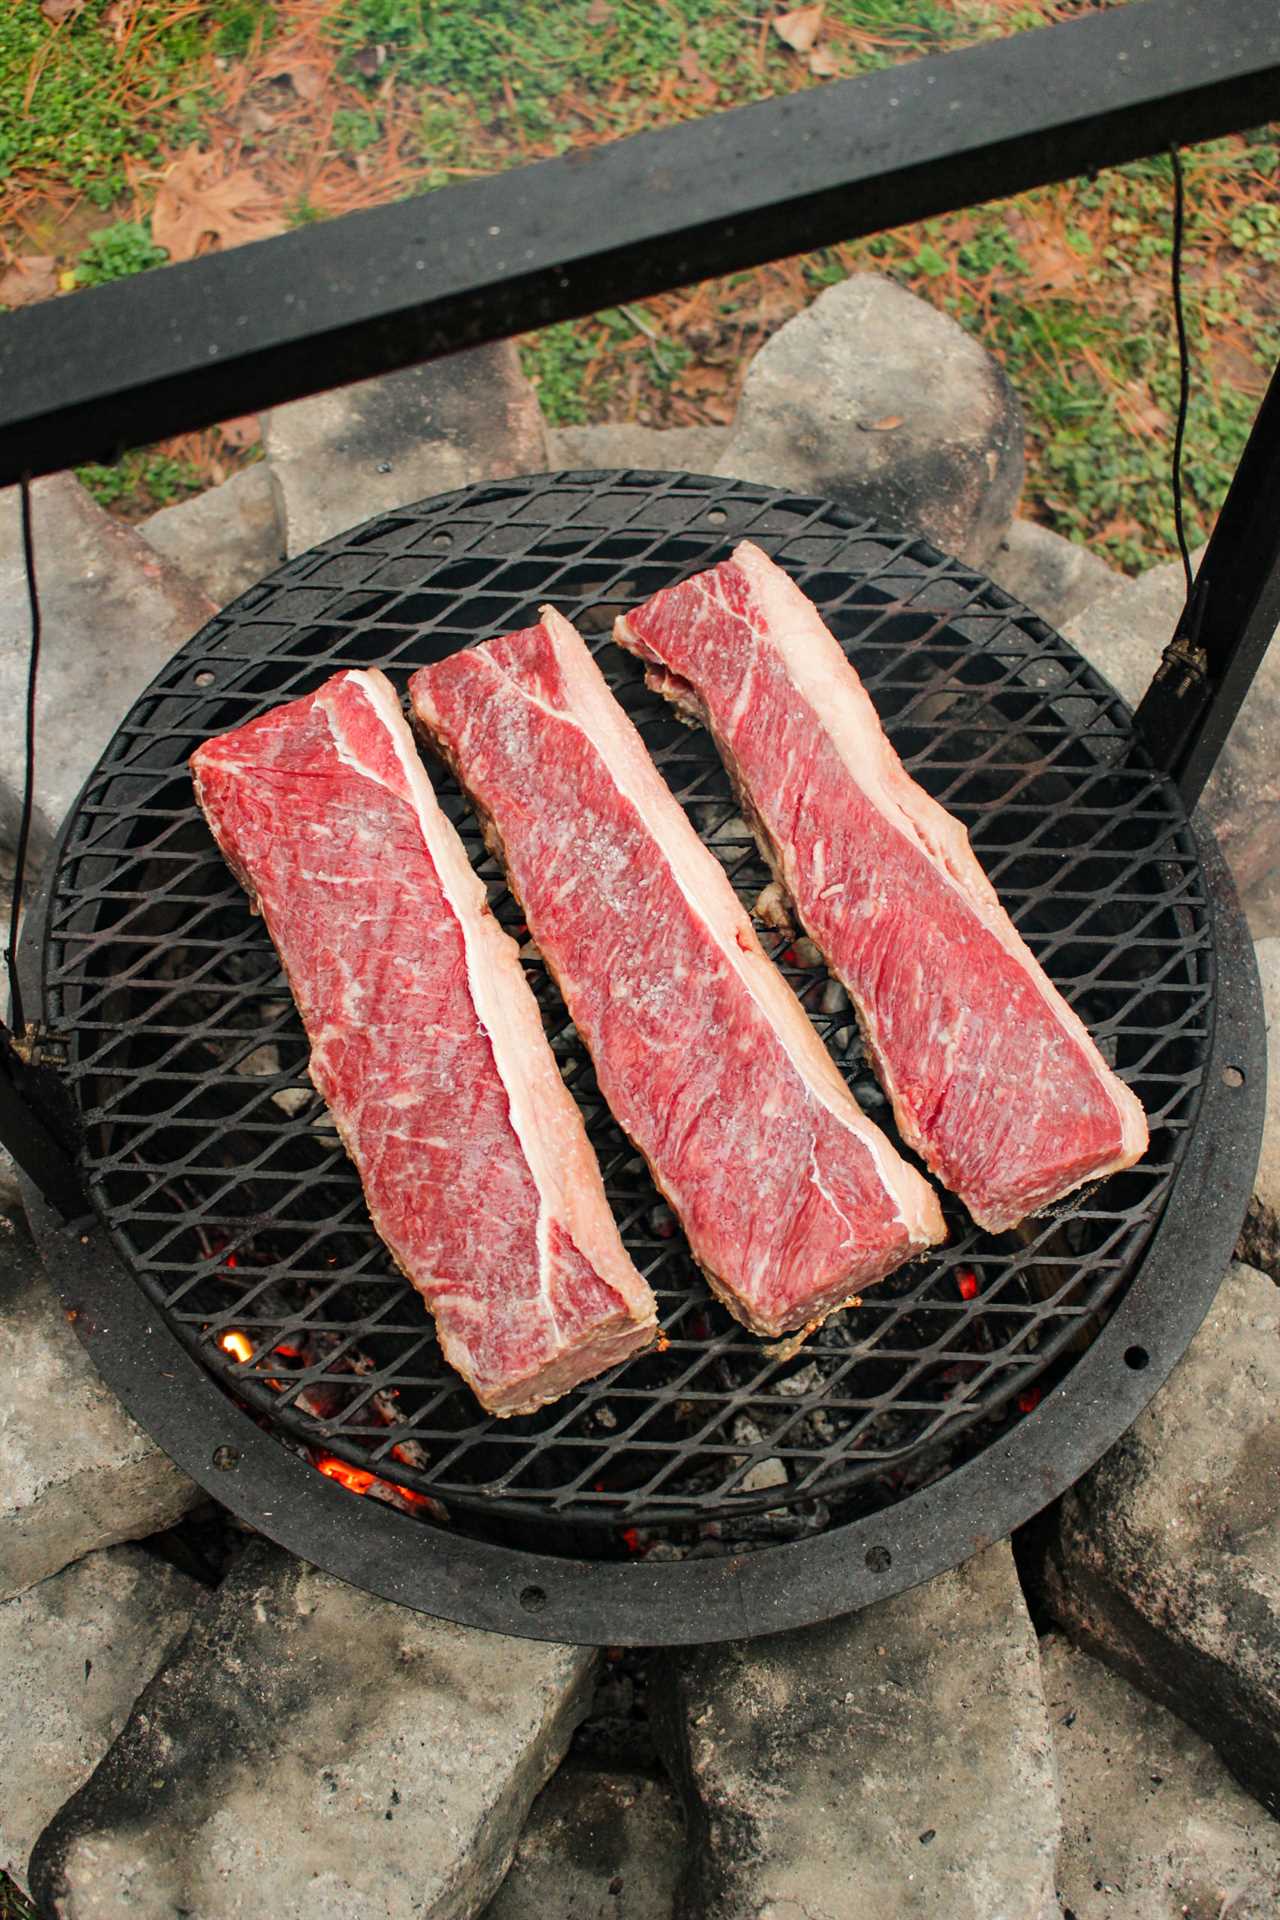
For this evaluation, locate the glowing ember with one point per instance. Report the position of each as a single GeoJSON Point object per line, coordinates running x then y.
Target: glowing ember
{"type": "Point", "coordinates": [358, 1479]}
{"type": "Point", "coordinates": [237, 1344]}
{"type": "Point", "coordinates": [287, 1352]}
{"type": "Point", "coordinates": [967, 1282]}
{"type": "Point", "coordinates": [1030, 1400]}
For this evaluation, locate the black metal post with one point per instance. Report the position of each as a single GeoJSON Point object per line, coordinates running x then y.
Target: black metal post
{"type": "Point", "coordinates": [1228, 620]}
{"type": "Point", "coordinates": [27, 1092]}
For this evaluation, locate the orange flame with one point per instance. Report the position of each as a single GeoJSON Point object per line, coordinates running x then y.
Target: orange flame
{"type": "Point", "coordinates": [236, 1343]}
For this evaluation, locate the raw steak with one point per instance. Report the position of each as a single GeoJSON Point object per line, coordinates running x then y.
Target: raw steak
{"type": "Point", "coordinates": [993, 1079]}
{"type": "Point", "coordinates": [790, 1198]}
{"type": "Point", "coordinates": [426, 1043]}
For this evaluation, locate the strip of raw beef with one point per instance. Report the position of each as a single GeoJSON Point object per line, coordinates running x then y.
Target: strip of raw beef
{"type": "Point", "coordinates": [426, 1043]}
{"type": "Point", "coordinates": [993, 1079]}
{"type": "Point", "coordinates": [791, 1199]}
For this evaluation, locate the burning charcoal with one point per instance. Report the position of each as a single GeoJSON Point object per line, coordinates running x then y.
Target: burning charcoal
{"type": "Point", "coordinates": [765, 1474]}
{"type": "Point", "coordinates": [730, 832]}
{"type": "Point", "coordinates": [834, 999]}
{"type": "Point", "coordinates": [807, 1380]}
{"type": "Point", "coordinates": [293, 1101]}
{"type": "Point", "coordinates": [262, 1063]}
{"type": "Point", "coordinates": [771, 907]}
{"type": "Point", "coordinates": [662, 1221]}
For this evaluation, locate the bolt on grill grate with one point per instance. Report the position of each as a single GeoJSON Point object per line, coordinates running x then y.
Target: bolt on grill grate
{"type": "Point", "coordinates": [223, 1183]}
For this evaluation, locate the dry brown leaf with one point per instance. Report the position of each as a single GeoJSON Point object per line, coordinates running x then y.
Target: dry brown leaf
{"type": "Point", "coordinates": [823, 63]}
{"type": "Point", "coordinates": [306, 78]}
{"type": "Point", "coordinates": [60, 10]}
{"type": "Point", "coordinates": [886, 425]}
{"type": "Point", "coordinates": [251, 119]}
{"type": "Point", "coordinates": [799, 28]}
{"type": "Point", "coordinates": [33, 277]}
{"type": "Point", "coordinates": [689, 64]}
{"type": "Point", "coordinates": [244, 431]}
{"type": "Point", "coordinates": [196, 205]}
{"type": "Point", "coordinates": [117, 22]}
{"type": "Point", "coordinates": [598, 14]}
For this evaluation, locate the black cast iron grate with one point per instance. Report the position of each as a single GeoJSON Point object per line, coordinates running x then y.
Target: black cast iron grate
{"type": "Point", "coordinates": [227, 1192]}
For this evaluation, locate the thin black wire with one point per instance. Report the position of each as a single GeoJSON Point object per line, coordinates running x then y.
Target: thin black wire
{"type": "Point", "coordinates": [1184, 365]}
{"type": "Point", "coordinates": [29, 779]}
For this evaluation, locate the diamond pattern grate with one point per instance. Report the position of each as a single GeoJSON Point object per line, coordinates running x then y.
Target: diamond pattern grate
{"type": "Point", "coordinates": [225, 1187]}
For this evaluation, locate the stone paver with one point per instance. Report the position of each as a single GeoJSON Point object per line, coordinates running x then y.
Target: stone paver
{"type": "Point", "coordinates": [1260, 1241]}
{"type": "Point", "coordinates": [114, 611]}
{"type": "Point", "coordinates": [598, 1846]}
{"type": "Point", "coordinates": [1124, 634]}
{"type": "Point", "coordinates": [1153, 1826]}
{"type": "Point", "coordinates": [75, 1653]}
{"type": "Point", "coordinates": [1055, 577]}
{"type": "Point", "coordinates": [312, 1753]}
{"type": "Point", "coordinates": [897, 1762]}
{"type": "Point", "coordinates": [619, 443]}
{"type": "Point", "coordinates": [1165, 1558]}
{"type": "Point", "coordinates": [876, 399]}
{"type": "Point", "coordinates": [76, 1473]}
{"type": "Point", "coordinates": [340, 458]}
{"type": "Point", "coordinates": [224, 539]}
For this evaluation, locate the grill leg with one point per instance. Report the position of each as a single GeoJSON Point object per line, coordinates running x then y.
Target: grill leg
{"type": "Point", "coordinates": [1228, 621]}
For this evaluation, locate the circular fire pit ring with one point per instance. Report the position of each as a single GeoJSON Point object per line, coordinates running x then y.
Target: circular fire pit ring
{"type": "Point", "coordinates": [233, 1290]}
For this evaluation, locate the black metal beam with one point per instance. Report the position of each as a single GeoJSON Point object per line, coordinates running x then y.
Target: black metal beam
{"type": "Point", "coordinates": [84, 377]}
{"type": "Point", "coordinates": [1228, 620]}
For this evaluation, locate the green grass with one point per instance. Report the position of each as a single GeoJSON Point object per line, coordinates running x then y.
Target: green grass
{"type": "Point", "coordinates": [142, 480]}
{"type": "Point", "coordinates": [117, 252]}
{"type": "Point", "coordinates": [81, 126]}
{"type": "Point", "coordinates": [558, 358]}
{"type": "Point", "coordinates": [1083, 328]}
{"type": "Point", "coordinates": [1095, 364]}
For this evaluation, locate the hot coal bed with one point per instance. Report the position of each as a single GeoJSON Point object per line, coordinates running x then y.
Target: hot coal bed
{"type": "Point", "coordinates": [239, 1300]}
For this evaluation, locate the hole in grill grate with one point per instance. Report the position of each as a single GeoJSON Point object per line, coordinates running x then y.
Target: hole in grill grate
{"type": "Point", "coordinates": [225, 1186]}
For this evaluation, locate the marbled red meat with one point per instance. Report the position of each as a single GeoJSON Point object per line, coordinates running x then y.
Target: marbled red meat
{"type": "Point", "coordinates": [994, 1080]}
{"type": "Point", "coordinates": [791, 1199]}
{"type": "Point", "coordinates": [426, 1042]}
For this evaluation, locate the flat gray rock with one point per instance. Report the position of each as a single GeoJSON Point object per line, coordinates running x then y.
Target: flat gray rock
{"type": "Point", "coordinates": [1260, 1241]}
{"type": "Point", "coordinates": [340, 458]}
{"type": "Point", "coordinates": [224, 539]}
{"type": "Point", "coordinates": [114, 612]}
{"type": "Point", "coordinates": [598, 1846]}
{"type": "Point", "coordinates": [1153, 1826]}
{"type": "Point", "coordinates": [897, 1762]}
{"type": "Point", "coordinates": [312, 1753]}
{"type": "Point", "coordinates": [1055, 577]}
{"type": "Point", "coordinates": [619, 443]}
{"type": "Point", "coordinates": [76, 1473]}
{"type": "Point", "coordinates": [1165, 1558]}
{"type": "Point", "coordinates": [874, 398]}
{"type": "Point", "coordinates": [76, 1652]}
{"type": "Point", "coordinates": [1124, 634]}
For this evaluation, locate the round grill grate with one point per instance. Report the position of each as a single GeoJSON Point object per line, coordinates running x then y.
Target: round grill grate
{"type": "Point", "coordinates": [226, 1190]}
